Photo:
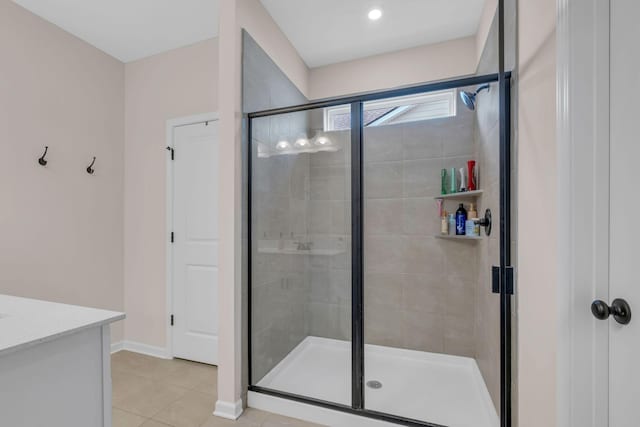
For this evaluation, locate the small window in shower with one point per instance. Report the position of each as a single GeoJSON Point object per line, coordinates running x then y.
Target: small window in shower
{"type": "Point", "coordinates": [397, 110]}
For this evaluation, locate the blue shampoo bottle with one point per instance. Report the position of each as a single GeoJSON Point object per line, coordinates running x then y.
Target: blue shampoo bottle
{"type": "Point", "coordinates": [461, 219]}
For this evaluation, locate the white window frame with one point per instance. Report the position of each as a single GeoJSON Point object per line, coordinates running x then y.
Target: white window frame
{"type": "Point", "coordinates": [448, 95]}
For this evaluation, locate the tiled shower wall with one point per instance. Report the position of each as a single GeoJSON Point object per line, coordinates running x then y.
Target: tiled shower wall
{"type": "Point", "coordinates": [487, 135]}
{"type": "Point", "coordinates": [487, 313]}
{"type": "Point", "coordinates": [299, 198]}
{"type": "Point", "coordinates": [329, 299]}
{"type": "Point", "coordinates": [419, 290]}
{"type": "Point", "coordinates": [279, 281]}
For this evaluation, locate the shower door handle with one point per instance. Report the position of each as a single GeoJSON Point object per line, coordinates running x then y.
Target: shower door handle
{"type": "Point", "coordinates": [620, 310]}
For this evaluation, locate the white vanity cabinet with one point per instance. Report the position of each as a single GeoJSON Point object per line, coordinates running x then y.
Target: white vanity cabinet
{"type": "Point", "coordinates": [55, 368]}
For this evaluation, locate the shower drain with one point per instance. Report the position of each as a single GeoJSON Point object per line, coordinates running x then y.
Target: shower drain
{"type": "Point", "coordinates": [374, 384]}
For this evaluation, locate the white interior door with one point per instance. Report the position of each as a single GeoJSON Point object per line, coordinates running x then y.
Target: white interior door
{"type": "Point", "coordinates": [195, 245]}
{"type": "Point", "coordinates": [624, 283]}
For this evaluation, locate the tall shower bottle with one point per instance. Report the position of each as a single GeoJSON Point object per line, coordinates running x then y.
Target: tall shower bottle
{"type": "Point", "coordinates": [471, 175]}
{"type": "Point", "coordinates": [443, 182]}
{"type": "Point", "coordinates": [461, 220]}
{"type": "Point", "coordinates": [452, 186]}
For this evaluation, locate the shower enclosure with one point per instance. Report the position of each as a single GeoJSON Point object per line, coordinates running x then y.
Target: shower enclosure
{"type": "Point", "coordinates": [359, 301]}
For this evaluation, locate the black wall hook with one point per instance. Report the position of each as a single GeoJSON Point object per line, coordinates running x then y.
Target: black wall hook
{"type": "Point", "coordinates": [41, 160]}
{"type": "Point", "coordinates": [90, 169]}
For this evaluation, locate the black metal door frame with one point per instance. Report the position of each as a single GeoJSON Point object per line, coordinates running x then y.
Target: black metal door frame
{"type": "Point", "coordinates": [504, 285]}
{"type": "Point", "coordinates": [506, 270]}
{"type": "Point", "coordinates": [506, 273]}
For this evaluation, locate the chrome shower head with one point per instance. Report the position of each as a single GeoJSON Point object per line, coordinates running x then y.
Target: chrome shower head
{"type": "Point", "coordinates": [469, 98]}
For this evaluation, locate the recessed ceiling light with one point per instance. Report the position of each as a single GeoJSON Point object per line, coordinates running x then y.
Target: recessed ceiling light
{"type": "Point", "coordinates": [375, 14]}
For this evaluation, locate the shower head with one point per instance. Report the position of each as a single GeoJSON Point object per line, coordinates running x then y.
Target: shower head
{"type": "Point", "coordinates": [469, 98]}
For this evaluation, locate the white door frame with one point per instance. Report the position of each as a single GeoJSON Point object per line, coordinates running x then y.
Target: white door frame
{"type": "Point", "coordinates": [582, 209]}
{"type": "Point", "coordinates": [171, 125]}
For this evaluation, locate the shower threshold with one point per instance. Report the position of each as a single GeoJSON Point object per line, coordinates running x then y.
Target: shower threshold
{"type": "Point", "coordinates": [436, 388]}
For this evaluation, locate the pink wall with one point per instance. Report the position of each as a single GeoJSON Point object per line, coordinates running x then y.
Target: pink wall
{"type": "Point", "coordinates": [65, 230]}
{"type": "Point", "coordinates": [402, 68]}
{"type": "Point", "coordinates": [486, 19]}
{"type": "Point", "coordinates": [173, 84]}
{"type": "Point", "coordinates": [62, 229]}
{"type": "Point", "coordinates": [253, 17]}
{"type": "Point", "coordinates": [234, 16]}
{"type": "Point", "coordinates": [537, 245]}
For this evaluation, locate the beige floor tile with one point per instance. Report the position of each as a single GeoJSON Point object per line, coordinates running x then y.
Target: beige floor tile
{"type": "Point", "coordinates": [274, 420]}
{"type": "Point", "coordinates": [189, 374]}
{"type": "Point", "coordinates": [150, 399]}
{"type": "Point", "coordinates": [214, 421]}
{"type": "Point", "coordinates": [175, 393]}
{"type": "Point", "coordinates": [125, 384]}
{"type": "Point", "coordinates": [250, 418]}
{"type": "Point", "coordinates": [191, 410]}
{"type": "Point", "coordinates": [142, 365]}
{"type": "Point", "coordinates": [154, 423]}
{"type": "Point", "coordinates": [250, 415]}
{"type": "Point", "coordinates": [208, 388]}
{"type": "Point", "coordinates": [255, 418]}
{"type": "Point", "coordinates": [125, 419]}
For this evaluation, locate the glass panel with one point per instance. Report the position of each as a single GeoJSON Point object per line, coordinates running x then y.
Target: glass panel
{"type": "Point", "coordinates": [431, 324]}
{"type": "Point", "coordinates": [301, 262]}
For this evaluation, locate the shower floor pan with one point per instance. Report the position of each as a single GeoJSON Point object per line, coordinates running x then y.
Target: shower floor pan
{"type": "Point", "coordinates": [437, 388]}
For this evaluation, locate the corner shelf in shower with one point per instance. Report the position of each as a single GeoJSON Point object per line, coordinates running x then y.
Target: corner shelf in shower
{"type": "Point", "coordinates": [462, 195]}
{"type": "Point", "coordinates": [448, 237]}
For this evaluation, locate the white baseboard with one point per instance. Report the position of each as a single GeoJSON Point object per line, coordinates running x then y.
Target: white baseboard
{"type": "Point", "coordinates": [230, 411]}
{"type": "Point", "coordinates": [117, 346]}
{"type": "Point", "coordinates": [136, 347]}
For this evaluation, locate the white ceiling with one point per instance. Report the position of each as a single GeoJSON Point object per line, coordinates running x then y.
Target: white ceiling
{"type": "Point", "coordinates": [329, 31]}
{"type": "Point", "coordinates": [131, 29]}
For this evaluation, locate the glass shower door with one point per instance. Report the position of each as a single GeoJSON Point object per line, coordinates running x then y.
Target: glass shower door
{"type": "Point", "coordinates": [300, 254]}
{"type": "Point", "coordinates": [364, 294]}
{"type": "Point", "coordinates": [429, 314]}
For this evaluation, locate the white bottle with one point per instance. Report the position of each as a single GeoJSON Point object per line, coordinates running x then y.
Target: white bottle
{"type": "Point", "coordinates": [444, 224]}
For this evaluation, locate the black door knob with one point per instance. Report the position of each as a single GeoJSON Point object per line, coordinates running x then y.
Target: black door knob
{"type": "Point", "coordinates": [620, 310]}
{"type": "Point", "coordinates": [600, 309]}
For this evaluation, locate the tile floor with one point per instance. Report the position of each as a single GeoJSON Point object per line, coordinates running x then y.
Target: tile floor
{"type": "Point", "coordinates": [151, 392]}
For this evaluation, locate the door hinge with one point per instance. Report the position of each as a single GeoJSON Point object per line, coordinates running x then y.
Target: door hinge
{"type": "Point", "coordinates": [172, 237]}
{"type": "Point", "coordinates": [496, 280]}
{"type": "Point", "coordinates": [173, 152]}
{"type": "Point", "coordinates": [509, 280]}
{"type": "Point", "coordinates": [171, 319]}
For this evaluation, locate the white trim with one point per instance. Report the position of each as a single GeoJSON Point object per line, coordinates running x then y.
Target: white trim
{"type": "Point", "coordinates": [117, 346]}
{"type": "Point", "coordinates": [171, 125]}
{"type": "Point", "coordinates": [140, 348]}
{"type": "Point", "coordinates": [230, 411]}
{"type": "Point", "coordinates": [582, 209]}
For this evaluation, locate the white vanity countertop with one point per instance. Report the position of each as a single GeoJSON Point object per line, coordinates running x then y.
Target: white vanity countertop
{"type": "Point", "coordinates": [25, 322]}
